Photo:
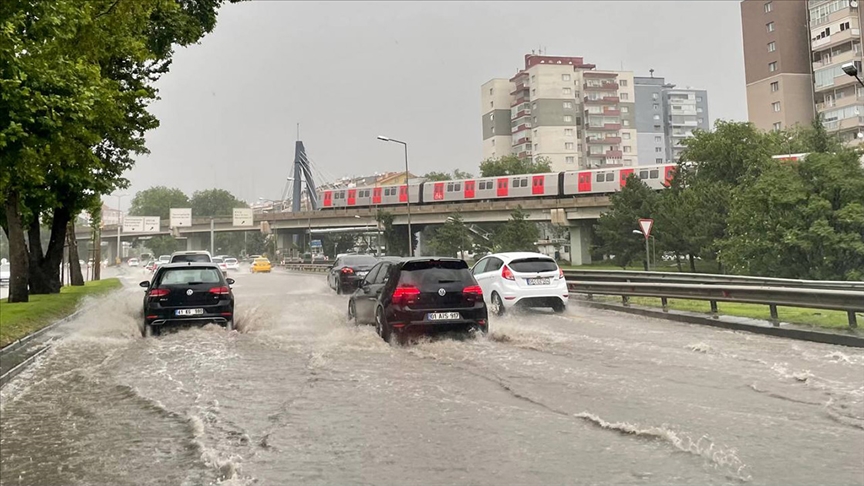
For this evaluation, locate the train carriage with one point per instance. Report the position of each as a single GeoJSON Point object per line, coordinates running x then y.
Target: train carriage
{"type": "Point", "coordinates": [370, 196]}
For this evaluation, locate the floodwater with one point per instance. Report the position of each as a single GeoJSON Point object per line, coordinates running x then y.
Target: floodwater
{"type": "Point", "coordinates": [301, 396]}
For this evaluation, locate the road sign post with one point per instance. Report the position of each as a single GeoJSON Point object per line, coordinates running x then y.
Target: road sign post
{"type": "Point", "coordinates": [243, 217]}
{"type": "Point", "coordinates": [645, 225]}
{"type": "Point", "coordinates": [180, 217]}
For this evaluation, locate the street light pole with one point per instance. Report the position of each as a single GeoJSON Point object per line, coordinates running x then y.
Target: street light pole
{"type": "Point", "coordinates": [852, 70]}
{"type": "Point", "coordinates": [407, 193]}
{"type": "Point", "coordinates": [119, 225]}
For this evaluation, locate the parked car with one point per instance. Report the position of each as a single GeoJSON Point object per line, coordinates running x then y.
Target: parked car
{"type": "Point", "coordinates": [348, 270]}
{"type": "Point", "coordinates": [424, 294]}
{"type": "Point", "coordinates": [191, 292]}
{"type": "Point", "coordinates": [232, 263]}
{"type": "Point", "coordinates": [132, 262]}
{"type": "Point", "coordinates": [261, 265]}
{"type": "Point", "coordinates": [5, 274]}
{"type": "Point", "coordinates": [222, 265]}
{"type": "Point", "coordinates": [524, 279]}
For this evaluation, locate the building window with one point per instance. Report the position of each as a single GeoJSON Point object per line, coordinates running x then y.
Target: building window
{"type": "Point", "coordinates": [775, 86]}
{"type": "Point", "coordinates": [565, 77]}
{"type": "Point", "coordinates": [534, 105]}
{"type": "Point", "coordinates": [536, 146]}
{"type": "Point", "coordinates": [568, 132]}
{"type": "Point", "coordinates": [658, 139]}
{"type": "Point", "coordinates": [768, 7]}
{"type": "Point", "coordinates": [567, 91]}
{"type": "Point", "coordinates": [568, 146]}
{"type": "Point", "coordinates": [533, 79]}
{"type": "Point", "coordinates": [491, 104]}
{"type": "Point", "coordinates": [533, 91]}
{"type": "Point", "coordinates": [699, 110]}
{"type": "Point", "coordinates": [700, 121]}
{"type": "Point", "coordinates": [490, 91]}
{"type": "Point", "coordinates": [772, 46]}
{"type": "Point", "coordinates": [627, 149]}
{"type": "Point", "coordinates": [698, 99]}
{"type": "Point", "coordinates": [844, 26]}
{"type": "Point", "coordinates": [659, 161]}
{"type": "Point", "coordinates": [772, 66]}
{"type": "Point", "coordinates": [656, 106]}
{"type": "Point", "coordinates": [493, 142]}
{"type": "Point", "coordinates": [626, 123]}
{"type": "Point", "coordinates": [775, 106]}
{"type": "Point", "coordinates": [568, 105]}
{"type": "Point", "coordinates": [568, 118]}
{"type": "Point", "coordinates": [625, 136]}
{"type": "Point", "coordinates": [569, 160]}
{"type": "Point", "coordinates": [778, 126]}
{"type": "Point", "coordinates": [769, 26]}
{"type": "Point", "coordinates": [658, 149]}
{"type": "Point", "coordinates": [624, 83]}
{"type": "Point", "coordinates": [655, 96]}
{"type": "Point", "coordinates": [625, 109]}
{"type": "Point", "coordinates": [625, 96]}
{"type": "Point", "coordinates": [656, 117]}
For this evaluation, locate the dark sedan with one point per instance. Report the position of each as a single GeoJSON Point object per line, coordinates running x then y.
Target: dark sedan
{"type": "Point", "coordinates": [418, 295]}
{"type": "Point", "coordinates": [187, 293]}
{"type": "Point", "coordinates": [348, 270]}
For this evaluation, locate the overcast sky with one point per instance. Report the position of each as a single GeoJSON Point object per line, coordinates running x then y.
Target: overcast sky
{"type": "Point", "coordinates": [348, 72]}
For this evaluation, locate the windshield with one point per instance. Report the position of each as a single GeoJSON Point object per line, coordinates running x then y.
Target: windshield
{"type": "Point", "coordinates": [359, 261]}
{"type": "Point", "coordinates": [262, 261]}
{"type": "Point", "coordinates": [185, 276]}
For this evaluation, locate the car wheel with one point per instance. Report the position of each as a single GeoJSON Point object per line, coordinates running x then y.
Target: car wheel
{"type": "Point", "coordinates": [559, 307]}
{"type": "Point", "coordinates": [229, 326]}
{"type": "Point", "coordinates": [150, 330]}
{"type": "Point", "coordinates": [352, 312]}
{"type": "Point", "coordinates": [381, 326]}
{"type": "Point", "coordinates": [338, 288]}
{"type": "Point", "coordinates": [496, 305]}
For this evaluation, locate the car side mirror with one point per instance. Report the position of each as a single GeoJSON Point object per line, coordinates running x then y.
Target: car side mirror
{"type": "Point", "coordinates": [144, 284]}
{"type": "Point", "coordinates": [230, 281]}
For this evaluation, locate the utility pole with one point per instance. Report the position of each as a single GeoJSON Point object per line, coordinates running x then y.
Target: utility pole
{"type": "Point", "coordinates": [212, 235]}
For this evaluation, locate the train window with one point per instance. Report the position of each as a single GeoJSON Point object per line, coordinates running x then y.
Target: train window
{"type": "Point", "coordinates": [458, 186]}
{"type": "Point", "coordinates": [481, 185]}
{"type": "Point", "coordinates": [655, 174]}
{"type": "Point", "coordinates": [524, 183]}
{"type": "Point", "coordinates": [600, 178]}
{"type": "Point", "coordinates": [515, 183]}
{"type": "Point", "coordinates": [610, 177]}
{"type": "Point", "coordinates": [643, 174]}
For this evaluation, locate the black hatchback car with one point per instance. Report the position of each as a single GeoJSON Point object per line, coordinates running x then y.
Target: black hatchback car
{"type": "Point", "coordinates": [419, 295]}
{"type": "Point", "coordinates": [348, 270]}
{"type": "Point", "coordinates": [187, 293]}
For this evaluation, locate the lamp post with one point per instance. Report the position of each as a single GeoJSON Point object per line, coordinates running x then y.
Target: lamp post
{"type": "Point", "coordinates": [407, 196]}
{"type": "Point", "coordinates": [119, 225]}
{"type": "Point", "coordinates": [850, 69]}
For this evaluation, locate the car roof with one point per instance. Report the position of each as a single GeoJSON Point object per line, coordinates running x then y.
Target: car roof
{"type": "Point", "coordinates": [190, 265]}
{"type": "Point", "coordinates": [405, 260]}
{"type": "Point", "coordinates": [516, 255]}
{"type": "Point", "coordinates": [191, 252]}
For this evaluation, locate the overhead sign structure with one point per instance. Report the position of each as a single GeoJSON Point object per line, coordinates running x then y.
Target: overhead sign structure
{"type": "Point", "coordinates": [181, 217]}
{"type": "Point", "coordinates": [151, 223]}
{"type": "Point", "coordinates": [243, 217]}
{"type": "Point", "coordinates": [645, 225]}
{"type": "Point", "coordinates": [133, 224]}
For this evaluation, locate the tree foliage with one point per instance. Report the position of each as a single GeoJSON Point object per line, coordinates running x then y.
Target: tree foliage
{"type": "Point", "coordinates": [517, 234]}
{"type": "Point", "coordinates": [457, 174]}
{"type": "Point", "coordinates": [513, 165]}
{"type": "Point", "coordinates": [214, 202]}
{"type": "Point", "coordinates": [158, 201]}
{"type": "Point", "coordinates": [615, 228]}
{"type": "Point", "coordinates": [451, 238]}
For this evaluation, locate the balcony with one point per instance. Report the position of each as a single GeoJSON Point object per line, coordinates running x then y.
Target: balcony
{"type": "Point", "coordinates": [604, 86]}
{"type": "Point", "coordinates": [524, 126]}
{"type": "Point", "coordinates": [853, 122]}
{"type": "Point", "coordinates": [522, 113]}
{"type": "Point", "coordinates": [614, 154]}
{"type": "Point", "coordinates": [519, 88]}
{"type": "Point", "coordinates": [595, 155]}
{"type": "Point", "coordinates": [521, 99]}
{"type": "Point", "coordinates": [605, 126]}
{"type": "Point", "coordinates": [611, 112]}
{"type": "Point", "coordinates": [521, 141]}
{"type": "Point", "coordinates": [838, 38]}
{"type": "Point", "coordinates": [605, 100]}
{"type": "Point", "coordinates": [524, 155]}
{"type": "Point", "coordinates": [841, 59]}
{"type": "Point", "coordinates": [603, 140]}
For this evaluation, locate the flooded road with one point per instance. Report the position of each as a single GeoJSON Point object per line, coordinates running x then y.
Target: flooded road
{"type": "Point", "coordinates": [300, 396]}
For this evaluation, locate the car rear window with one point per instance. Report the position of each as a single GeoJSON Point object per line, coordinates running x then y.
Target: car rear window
{"type": "Point", "coordinates": [190, 258]}
{"type": "Point", "coordinates": [359, 261]}
{"type": "Point", "coordinates": [217, 260]}
{"type": "Point", "coordinates": [262, 260]}
{"type": "Point", "coordinates": [429, 275]}
{"type": "Point", "coordinates": [533, 265]}
{"type": "Point", "coordinates": [230, 260]}
{"type": "Point", "coordinates": [181, 276]}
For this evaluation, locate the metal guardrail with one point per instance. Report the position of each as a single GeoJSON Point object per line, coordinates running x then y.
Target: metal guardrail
{"type": "Point", "coordinates": [706, 279]}
{"type": "Point", "coordinates": [849, 301]}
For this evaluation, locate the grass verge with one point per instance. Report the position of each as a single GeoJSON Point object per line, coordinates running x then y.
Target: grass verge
{"type": "Point", "coordinates": [793, 315]}
{"type": "Point", "coordinates": [20, 319]}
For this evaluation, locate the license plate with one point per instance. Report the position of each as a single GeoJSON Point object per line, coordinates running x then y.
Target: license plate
{"type": "Point", "coordinates": [188, 312]}
{"type": "Point", "coordinates": [361, 274]}
{"type": "Point", "coordinates": [444, 316]}
{"type": "Point", "coordinates": [538, 281]}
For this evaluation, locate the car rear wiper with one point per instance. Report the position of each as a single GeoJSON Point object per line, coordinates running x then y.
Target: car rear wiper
{"type": "Point", "coordinates": [194, 283]}
{"type": "Point", "coordinates": [447, 281]}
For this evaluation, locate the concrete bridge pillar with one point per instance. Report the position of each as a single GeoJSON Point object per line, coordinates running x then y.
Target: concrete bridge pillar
{"type": "Point", "coordinates": [580, 243]}
{"type": "Point", "coordinates": [423, 238]}
{"type": "Point", "coordinates": [197, 241]}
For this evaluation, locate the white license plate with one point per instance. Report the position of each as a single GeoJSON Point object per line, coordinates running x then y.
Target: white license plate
{"type": "Point", "coordinates": [361, 274]}
{"type": "Point", "coordinates": [188, 312]}
{"type": "Point", "coordinates": [444, 316]}
{"type": "Point", "coordinates": [538, 281]}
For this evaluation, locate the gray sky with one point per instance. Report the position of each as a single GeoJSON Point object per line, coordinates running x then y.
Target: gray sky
{"type": "Point", "coordinates": [348, 72]}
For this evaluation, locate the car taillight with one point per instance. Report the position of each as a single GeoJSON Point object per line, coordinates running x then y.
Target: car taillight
{"type": "Point", "coordinates": [507, 274]}
{"type": "Point", "coordinates": [560, 274]}
{"type": "Point", "coordinates": [158, 292]}
{"type": "Point", "coordinates": [473, 293]}
{"type": "Point", "coordinates": [405, 295]}
{"type": "Point", "coordinates": [347, 270]}
{"type": "Point", "coordinates": [220, 290]}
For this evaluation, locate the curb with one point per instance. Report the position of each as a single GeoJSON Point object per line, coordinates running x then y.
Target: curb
{"type": "Point", "coordinates": [11, 374]}
{"type": "Point", "coordinates": [784, 330]}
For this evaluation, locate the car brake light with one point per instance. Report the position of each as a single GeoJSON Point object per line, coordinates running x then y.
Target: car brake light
{"type": "Point", "coordinates": [347, 270]}
{"type": "Point", "coordinates": [220, 290]}
{"type": "Point", "coordinates": [473, 292]}
{"type": "Point", "coordinates": [560, 273]}
{"type": "Point", "coordinates": [158, 292]}
{"type": "Point", "coordinates": [405, 295]}
{"type": "Point", "coordinates": [507, 274]}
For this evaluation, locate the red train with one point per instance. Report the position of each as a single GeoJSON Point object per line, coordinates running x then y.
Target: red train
{"type": "Point", "coordinates": [552, 184]}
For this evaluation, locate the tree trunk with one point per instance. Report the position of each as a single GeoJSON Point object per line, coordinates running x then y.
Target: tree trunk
{"type": "Point", "coordinates": [19, 260]}
{"type": "Point", "coordinates": [678, 262]}
{"type": "Point", "coordinates": [692, 263]}
{"type": "Point", "coordinates": [97, 253]}
{"type": "Point", "coordinates": [76, 278]}
{"type": "Point", "coordinates": [45, 269]}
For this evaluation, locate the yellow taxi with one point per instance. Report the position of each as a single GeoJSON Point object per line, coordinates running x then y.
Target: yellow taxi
{"type": "Point", "coordinates": [261, 265]}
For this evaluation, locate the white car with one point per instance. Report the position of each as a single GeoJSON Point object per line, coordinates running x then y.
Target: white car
{"type": "Point", "coordinates": [132, 262]}
{"type": "Point", "coordinates": [525, 279]}
{"type": "Point", "coordinates": [222, 265]}
{"type": "Point", "coordinates": [232, 263]}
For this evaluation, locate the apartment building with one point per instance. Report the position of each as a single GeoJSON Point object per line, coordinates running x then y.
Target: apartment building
{"type": "Point", "coordinates": [665, 116]}
{"type": "Point", "coordinates": [562, 109]}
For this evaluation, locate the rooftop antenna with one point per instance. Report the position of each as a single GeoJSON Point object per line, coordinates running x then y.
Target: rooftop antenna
{"type": "Point", "coordinates": [652, 72]}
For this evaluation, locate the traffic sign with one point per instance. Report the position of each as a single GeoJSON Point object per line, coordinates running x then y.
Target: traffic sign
{"type": "Point", "coordinates": [243, 217]}
{"type": "Point", "coordinates": [315, 244]}
{"type": "Point", "coordinates": [181, 217]}
{"type": "Point", "coordinates": [645, 225]}
{"type": "Point", "coordinates": [133, 224]}
{"type": "Point", "coordinates": [151, 223]}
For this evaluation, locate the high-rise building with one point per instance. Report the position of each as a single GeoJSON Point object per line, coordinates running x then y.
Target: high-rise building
{"type": "Point", "coordinates": [561, 109]}
{"type": "Point", "coordinates": [665, 116]}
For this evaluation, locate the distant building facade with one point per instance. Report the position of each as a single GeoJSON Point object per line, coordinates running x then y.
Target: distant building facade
{"type": "Point", "coordinates": [665, 116]}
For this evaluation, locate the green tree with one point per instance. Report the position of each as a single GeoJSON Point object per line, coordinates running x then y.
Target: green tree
{"type": "Point", "coordinates": [513, 165]}
{"type": "Point", "coordinates": [517, 234]}
{"type": "Point", "coordinates": [452, 238]}
{"type": "Point", "coordinates": [214, 202]}
{"type": "Point", "coordinates": [615, 228]}
{"type": "Point", "coordinates": [395, 237]}
{"type": "Point", "coordinates": [437, 176]}
{"type": "Point", "coordinates": [158, 201]}
{"type": "Point", "coordinates": [162, 245]}
{"type": "Point", "coordinates": [733, 151]}
{"type": "Point", "coordinates": [461, 174]}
